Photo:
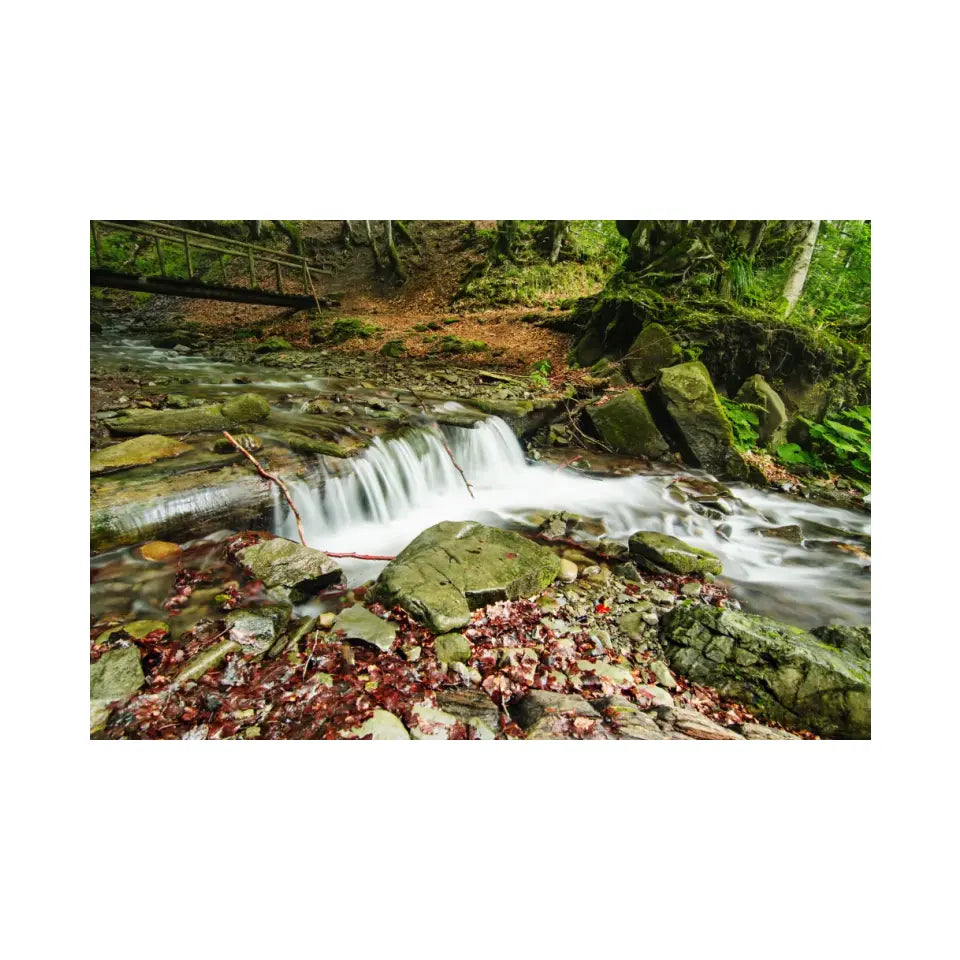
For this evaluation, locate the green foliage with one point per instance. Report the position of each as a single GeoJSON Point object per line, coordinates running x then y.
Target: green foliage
{"type": "Point", "coordinates": [541, 370]}
{"type": "Point", "coordinates": [274, 345]}
{"type": "Point", "coordinates": [840, 444]}
{"type": "Point", "coordinates": [744, 419]}
{"type": "Point", "coordinates": [341, 329]}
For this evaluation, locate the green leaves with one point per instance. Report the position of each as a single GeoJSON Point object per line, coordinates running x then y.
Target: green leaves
{"type": "Point", "coordinates": [836, 445]}
{"type": "Point", "coordinates": [743, 419]}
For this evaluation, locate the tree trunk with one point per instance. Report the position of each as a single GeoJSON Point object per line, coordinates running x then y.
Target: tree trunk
{"type": "Point", "coordinates": [801, 265]}
{"type": "Point", "coordinates": [373, 245]}
{"type": "Point", "coordinates": [347, 236]}
{"type": "Point", "coordinates": [392, 251]}
{"type": "Point", "coordinates": [560, 230]}
{"type": "Point", "coordinates": [255, 227]}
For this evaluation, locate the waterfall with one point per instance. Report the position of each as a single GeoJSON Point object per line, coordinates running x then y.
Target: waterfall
{"type": "Point", "coordinates": [378, 502]}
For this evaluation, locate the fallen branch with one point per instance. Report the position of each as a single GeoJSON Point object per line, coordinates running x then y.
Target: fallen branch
{"type": "Point", "coordinates": [570, 463]}
{"type": "Point", "coordinates": [359, 556]}
{"type": "Point", "coordinates": [443, 441]}
{"type": "Point", "coordinates": [276, 480]}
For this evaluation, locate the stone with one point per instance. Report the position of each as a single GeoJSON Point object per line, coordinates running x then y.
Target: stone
{"type": "Point", "coordinates": [248, 441]}
{"type": "Point", "coordinates": [630, 722]}
{"type": "Point", "coordinates": [99, 714]}
{"type": "Point", "coordinates": [257, 628]}
{"type": "Point", "coordinates": [662, 672]}
{"type": "Point", "coordinates": [137, 452]}
{"type": "Point", "coordinates": [473, 708]}
{"type": "Point", "coordinates": [381, 726]}
{"type": "Point", "coordinates": [116, 675]}
{"type": "Point", "coordinates": [779, 672]}
{"type": "Point", "coordinates": [653, 696]}
{"type": "Point", "coordinates": [660, 552]}
{"type": "Point", "coordinates": [452, 647]}
{"type": "Point", "coordinates": [454, 567]}
{"type": "Point", "coordinates": [757, 731]}
{"type": "Point", "coordinates": [208, 659]}
{"type": "Point", "coordinates": [692, 404]}
{"type": "Point", "coordinates": [206, 418]}
{"type": "Point", "coordinates": [698, 727]}
{"type": "Point", "coordinates": [625, 424]}
{"type": "Point", "coordinates": [430, 723]}
{"type": "Point", "coordinates": [289, 569]}
{"type": "Point", "coordinates": [542, 703]}
{"type": "Point", "coordinates": [772, 414]}
{"type": "Point", "coordinates": [138, 629]}
{"type": "Point", "coordinates": [628, 571]}
{"type": "Point", "coordinates": [791, 533]}
{"type": "Point", "coordinates": [568, 571]}
{"type": "Point", "coordinates": [631, 625]}
{"type": "Point", "coordinates": [358, 623]}
{"type": "Point", "coordinates": [159, 550]}
{"type": "Point", "coordinates": [691, 589]}
{"type": "Point", "coordinates": [653, 350]}
{"type": "Point", "coordinates": [852, 640]}
{"type": "Point", "coordinates": [610, 672]}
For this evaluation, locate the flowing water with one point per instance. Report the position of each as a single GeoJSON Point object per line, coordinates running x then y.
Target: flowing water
{"type": "Point", "coordinates": [379, 501]}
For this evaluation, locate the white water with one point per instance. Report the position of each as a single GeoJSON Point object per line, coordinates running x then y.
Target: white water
{"type": "Point", "coordinates": [382, 500]}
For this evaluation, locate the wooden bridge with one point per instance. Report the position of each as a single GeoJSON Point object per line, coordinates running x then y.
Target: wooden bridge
{"type": "Point", "coordinates": [173, 254]}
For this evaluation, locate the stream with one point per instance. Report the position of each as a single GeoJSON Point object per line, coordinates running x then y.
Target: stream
{"type": "Point", "coordinates": [401, 485]}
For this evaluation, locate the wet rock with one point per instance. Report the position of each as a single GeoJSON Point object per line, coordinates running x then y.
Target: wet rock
{"type": "Point", "coordinates": [452, 648]}
{"type": "Point", "coordinates": [358, 623]}
{"type": "Point", "coordinates": [625, 424]}
{"type": "Point", "coordinates": [653, 349]}
{"type": "Point", "coordinates": [208, 659]}
{"type": "Point", "coordinates": [473, 708]}
{"type": "Point", "coordinates": [248, 441]}
{"type": "Point", "coordinates": [662, 553]}
{"type": "Point", "coordinates": [381, 726]}
{"type": "Point", "coordinates": [137, 452]}
{"type": "Point", "coordinates": [791, 533]}
{"type": "Point", "coordinates": [300, 443]}
{"type": "Point", "coordinates": [177, 401]}
{"type": "Point", "coordinates": [772, 414]}
{"type": "Point", "coordinates": [207, 418]}
{"type": "Point", "coordinates": [256, 629]}
{"type": "Point", "coordinates": [159, 550]}
{"type": "Point", "coordinates": [852, 640]}
{"type": "Point", "coordinates": [779, 672]}
{"type": "Point", "coordinates": [691, 402]}
{"type": "Point", "coordinates": [455, 567]}
{"type": "Point", "coordinates": [139, 629]}
{"type": "Point", "coordinates": [289, 569]}
{"type": "Point", "coordinates": [116, 675]}
{"type": "Point", "coordinates": [630, 722]}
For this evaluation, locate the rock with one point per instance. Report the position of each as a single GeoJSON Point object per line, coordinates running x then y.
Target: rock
{"type": "Point", "coordinates": [393, 348]}
{"type": "Point", "coordinates": [452, 647]}
{"type": "Point", "coordinates": [691, 402]}
{"type": "Point", "coordinates": [625, 424]}
{"type": "Point", "coordinates": [325, 620]}
{"type": "Point", "coordinates": [662, 672]}
{"type": "Point", "coordinates": [458, 566]}
{"type": "Point", "coordinates": [137, 452]}
{"type": "Point", "coordinates": [610, 672]}
{"type": "Point", "coordinates": [568, 571]}
{"type": "Point", "coordinates": [257, 628]}
{"type": "Point", "coordinates": [358, 623]}
{"type": "Point", "coordinates": [430, 722]}
{"type": "Point", "coordinates": [300, 443]}
{"type": "Point", "coordinates": [698, 727]}
{"type": "Point", "coordinates": [116, 675]}
{"type": "Point", "coordinates": [628, 571]}
{"type": "Point", "coordinates": [246, 440]}
{"type": "Point", "coordinates": [159, 550]}
{"type": "Point", "coordinates": [473, 708]}
{"type": "Point", "coordinates": [653, 350]}
{"type": "Point", "coordinates": [99, 714]}
{"type": "Point", "coordinates": [653, 696]}
{"type": "Point", "coordinates": [777, 671]}
{"type": "Point", "coordinates": [662, 553]}
{"type": "Point", "coordinates": [773, 414]}
{"type": "Point", "coordinates": [631, 625]}
{"type": "Point", "coordinates": [289, 569]}
{"type": "Point", "coordinates": [139, 629]}
{"type": "Point", "coordinates": [208, 659]}
{"type": "Point", "coordinates": [177, 401]}
{"type": "Point", "coordinates": [381, 726]}
{"type": "Point", "coordinates": [206, 418]}
{"type": "Point", "coordinates": [540, 703]}
{"type": "Point", "coordinates": [756, 731]}
{"type": "Point", "coordinates": [791, 533]}
{"type": "Point", "coordinates": [631, 723]}
{"type": "Point", "coordinates": [691, 589]}
{"type": "Point", "coordinates": [852, 640]}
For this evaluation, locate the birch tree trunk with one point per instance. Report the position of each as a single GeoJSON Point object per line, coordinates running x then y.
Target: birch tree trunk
{"type": "Point", "coordinates": [801, 264]}
{"type": "Point", "coordinates": [560, 229]}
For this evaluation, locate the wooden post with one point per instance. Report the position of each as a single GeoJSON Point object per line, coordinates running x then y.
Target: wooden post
{"type": "Point", "coordinates": [96, 244]}
{"type": "Point", "coordinates": [279, 279]}
{"type": "Point", "coordinates": [253, 273]}
{"type": "Point", "coordinates": [186, 247]}
{"type": "Point", "coordinates": [163, 265]}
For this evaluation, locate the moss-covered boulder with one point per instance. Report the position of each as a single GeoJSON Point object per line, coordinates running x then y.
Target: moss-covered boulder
{"type": "Point", "coordinates": [246, 408]}
{"type": "Point", "coordinates": [290, 569]}
{"type": "Point", "coordinates": [779, 672]}
{"type": "Point", "coordinates": [625, 424]}
{"type": "Point", "coordinates": [654, 349]}
{"type": "Point", "coordinates": [772, 413]}
{"type": "Point", "coordinates": [136, 452]}
{"type": "Point", "coordinates": [454, 567]}
{"type": "Point", "coordinates": [117, 674]}
{"type": "Point", "coordinates": [661, 553]}
{"type": "Point", "coordinates": [257, 628]}
{"type": "Point", "coordinates": [690, 401]}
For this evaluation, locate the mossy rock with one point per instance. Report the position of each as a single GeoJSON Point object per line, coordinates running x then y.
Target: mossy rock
{"type": "Point", "coordinates": [204, 419]}
{"type": "Point", "coordinates": [654, 349]}
{"type": "Point", "coordinates": [248, 441]}
{"type": "Point", "coordinates": [454, 567]}
{"type": "Point", "coordinates": [290, 569]}
{"type": "Point", "coordinates": [772, 413]}
{"type": "Point", "coordinates": [687, 394]}
{"type": "Point", "coordinates": [394, 349]}
{"type": "Point", "coordinates": [778, 671]}
{"type": "Point", "coordinates": [452, 648]}
{"type": "Point", "coordinates": [300, 443]}
{"type": "Point", "coordinates": [659, 552]}
{"type": "Point", "coordinates": [358, 623]}
{"type": "Point", "coordinates": [116, 675]}
{"type": "Point", "coordinates": [274, 345]}
{"type": "Point", "coordinates": [625, 424]}
{"type": "Point", "coordinates": [137, 452]}
{"type": "Point", "coordinates": [245, 408]}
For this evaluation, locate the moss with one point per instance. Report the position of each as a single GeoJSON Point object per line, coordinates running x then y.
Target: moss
{"type": "Point", "coordinates": [274, 345]}
{"type": "Point", "coordinates": [393, 348]}
{"type": "Point", "coordinates": [453, 344]}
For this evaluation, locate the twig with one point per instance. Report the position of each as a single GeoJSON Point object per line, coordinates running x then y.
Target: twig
{"type": "Point", "coordinates": [313, 649]}
{"type": "Point", "coordinates": [443, 441]}
{"type": "Point", "coordinates": [570, 463]}
{"type": "Point", "coordinates": [359, 556]}
{"type": "Point", "coordinates": [276, 480]}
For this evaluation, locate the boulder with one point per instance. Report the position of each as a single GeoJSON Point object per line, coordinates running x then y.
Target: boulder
{"type": "Point", "coordinates": [257, 628]}
{"type": "Point", "coordinates": [116, 675]}
{"type": "Point", "coordinates": [792, 533]}
{"type": "Point", "coordinates": [779, 672]}
{"type": "Point", "coordinates": [381, 726]}
{"type": "Point", "coordinates": [454, 567]}
{"type": "Point", "coordinates": [289, 569]}
{"type": "Point", "coordinates": [207, 418]}
{"type": "Point", "coordinates": [625, 424]}
{"type": "Point", "coordinates": [653, 350]}
{"type": "Point", "coordinates": [693, 406]}
{"type": "Point", "coordinates": [852, 640]}
{"type": "Point", "coordinates": [358, 623]}
{"type": "Point", "coordinates": [661, 553]}
{"type": "Point", "coordinates": [137, 452]}
{"type": "Point", "coordinates": [545, 715]}
{"type": "Point", "coordinates": [772, 413]}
